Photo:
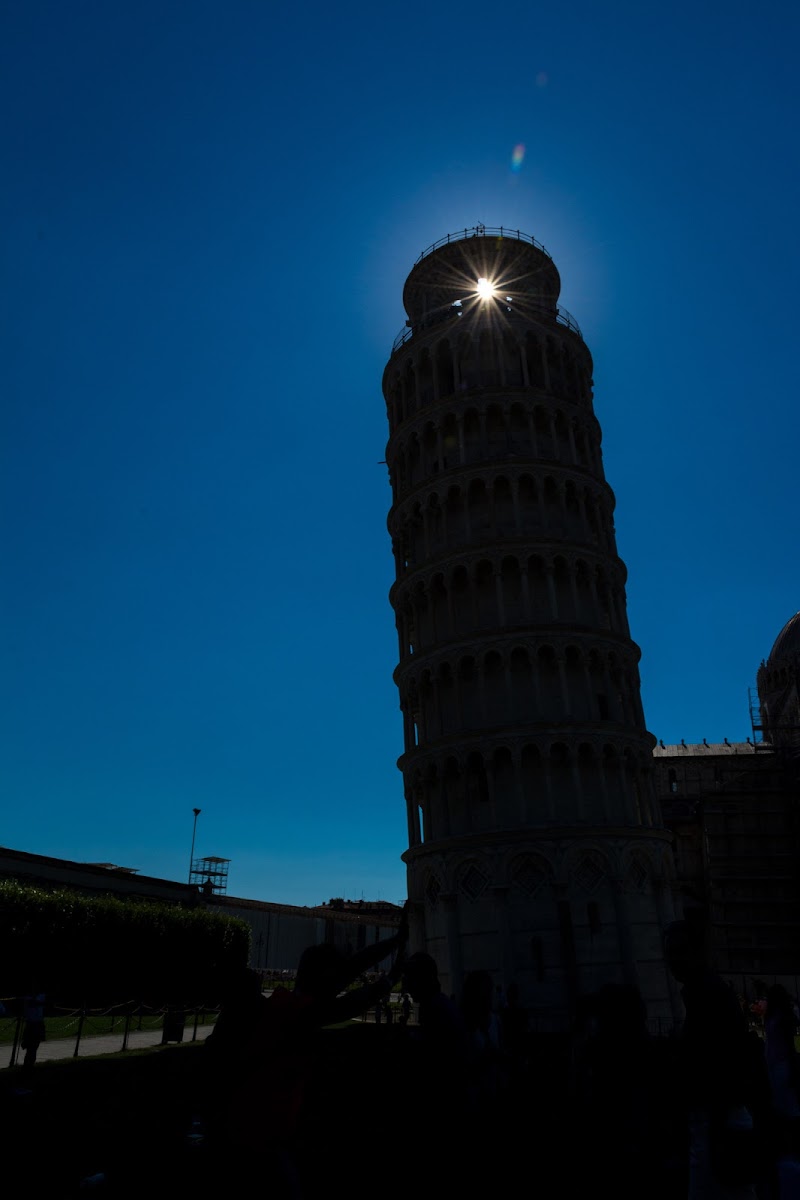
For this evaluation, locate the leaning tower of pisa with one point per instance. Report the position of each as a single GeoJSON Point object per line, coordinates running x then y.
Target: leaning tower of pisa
{"type": "Point", "coordinates": [536, 849]}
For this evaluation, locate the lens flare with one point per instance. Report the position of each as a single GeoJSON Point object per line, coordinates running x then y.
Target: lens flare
{"type": "Point", "coordinates": [485, 289]}
{"type": "Point", "coordinates": [517, 157]}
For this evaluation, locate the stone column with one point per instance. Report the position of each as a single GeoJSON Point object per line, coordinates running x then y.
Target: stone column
{"type": "Point", "coordinates": [551, 591]}
{"type": "Point", "coordinates": [500, 896]}
{"type": "Point", "coordinates": [498, 588]}
{"type": "Point", "coordinates": [624, 934]}
{"type": "Point", "coordinates": [571, 435]}
{"type": "Point", "coordinates": [449, 901]}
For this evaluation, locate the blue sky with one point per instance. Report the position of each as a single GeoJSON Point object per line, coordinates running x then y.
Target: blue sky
{"type": "Point", "coordinates": [208, 211]}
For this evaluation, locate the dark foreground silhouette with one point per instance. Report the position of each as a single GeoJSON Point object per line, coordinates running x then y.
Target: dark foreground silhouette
{"type": "Point", "coordinates": [289, 1093]}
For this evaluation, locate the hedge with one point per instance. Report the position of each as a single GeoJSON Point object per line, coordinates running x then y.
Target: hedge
{"type": "Point", "coordinates": [100, 950]}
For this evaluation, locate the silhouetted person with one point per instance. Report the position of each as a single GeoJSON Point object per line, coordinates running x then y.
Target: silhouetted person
{"type": "Point", "coordinates": [441, 1031]}
{"type": "Point", "coordinates": [485, 1038]}
{"type": "Point", "coordinates": [722, 1075]}
{"type": "Point", "coordinates": [436, 1070]}
{"type": "Point", "coordinates": [623, 1112]}
{"type": "Point", "coordinates": [275, 1053]}
{"type": "Point", "coordinates": [33, 1029]}
{"type": "Point", "coordinates": [515, 1022]}
{"type": "Point", "coordinates": [241, 1005]}
{"type": "Point", "coordinates": [405, 1009]}
{"type": "Point", "coordinates": [783, 1067]}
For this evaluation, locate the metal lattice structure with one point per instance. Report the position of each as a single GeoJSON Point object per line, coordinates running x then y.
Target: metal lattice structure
{"type": "Point", "coordinates": [210, 875]}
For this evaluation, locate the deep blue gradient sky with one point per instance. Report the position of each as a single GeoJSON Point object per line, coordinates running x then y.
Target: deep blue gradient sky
{"type": "Point", "coordinates": [208, 211]}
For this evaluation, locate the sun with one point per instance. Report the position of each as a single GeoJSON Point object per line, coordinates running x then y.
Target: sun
{"type": "Point", "coordinates": [485, 289]}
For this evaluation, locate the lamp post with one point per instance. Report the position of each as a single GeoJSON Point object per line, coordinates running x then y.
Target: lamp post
{"type": "Point", "coordinates": [196, 812]}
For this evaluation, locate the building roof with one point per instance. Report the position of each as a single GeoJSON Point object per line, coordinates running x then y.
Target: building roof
{"type": "Point", "coordinates": [787, 643]}
{"type": "Point", "coordinates": [707, 749]}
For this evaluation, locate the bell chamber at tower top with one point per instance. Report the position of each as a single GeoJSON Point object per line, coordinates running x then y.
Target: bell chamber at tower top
{"type": "Point", "coordinates": [467, 268]}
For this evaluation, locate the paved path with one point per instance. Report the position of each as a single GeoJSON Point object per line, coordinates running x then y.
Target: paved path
{"type": "Point", "coordinates": [106, 1043]}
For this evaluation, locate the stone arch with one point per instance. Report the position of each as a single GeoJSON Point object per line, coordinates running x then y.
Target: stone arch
{"type": "Point", "coordinates": [450, 451]}
{"type": "Point", "coordinates": [425, 378]}
{"type": "Point", "coordinates": [519, 437]}
{"type": "Point", "coordinates": [496, 440]}
{"type": "Point", "coordinates": [494, 689]}
{"type": "Point", "coordinates": [439, 607]}
{"type": "Point", "coordinates": [473, 438]}
{"type": "Point", "coordinates": [561, 432]}
{"type": "Point", "coordinates": [487, 364]}
{"type": "Point", "coordinates": [583, 593]}
{"type": "Point", "coordinates": [512, 362]}
{"type": "Point", "coordinates": [453, 796]}
{"type": "Point", "coordinates": [534, 360]}
{"type": "Point", "coordinates": [572, 511]}
{"type": "Point", "coordinates": [533, 780]}
{"type": "Point", "coordinates": [476, 779]}
{"type": "Point", "coordinates": [575, 676]}
{"type": "Point", "coordinates": [504, 510]}
{"type": "Point", "coordinates": [461, 601]}
{"type": "Point", "coordinates": [430, 723]}
{"type": "Point", "coordinates": [563, 587]}
{"type": "Point", "coordinates": [552, 503]}
{"type": "Point", "coordinates": [470, 692]}
{"type": "Point", "coordinates": [456, 516]}
{"type": "Point", "coordinates": [513, 592]}
{"type": "Point", "coordinates": [435, 521]}
{"type": "Point", "coordinates": [521, 675]}
{"type": "Point", "coordinates": [542, 432]}
{"type": "Point", "coordinates": [410, 387]}
{"type": "Point", "coordinates": [445, 371]}
{"type": "Point", "coordinates": [485, 595]}
{"type": "Point", "coordinates": [538, 591]}
{"type": "Point", "coordinates": [504, 786]}
{"type": "Point", "coordinates": [526, 501]}
{"type": "Point", "coordinates": [590, 781]}
{"type": "Point", "coordinates": [549, 680]}
{"type": "Point", "coordinates": [478, 507]}
{"type": "Point", "coordinates": [448, 706]}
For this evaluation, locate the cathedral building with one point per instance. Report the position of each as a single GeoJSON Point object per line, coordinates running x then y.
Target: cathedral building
{"type": "Point", "coordinates": [734, 810]}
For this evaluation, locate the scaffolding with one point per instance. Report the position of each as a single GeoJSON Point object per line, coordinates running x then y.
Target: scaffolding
{"type": "Point", "coordinates": [756, 721]}
{"type": "Point", "coordinates": [210, 875]}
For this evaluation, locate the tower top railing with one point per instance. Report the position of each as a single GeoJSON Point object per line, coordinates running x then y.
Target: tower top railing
{"type": "Point", "coordinates": [562, 317]}
{"type": "Point", "coordinates": [478, 231]}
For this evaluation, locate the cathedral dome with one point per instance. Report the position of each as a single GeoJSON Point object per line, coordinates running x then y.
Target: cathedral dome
{"type": "Point", "coordinates": [787, 643]}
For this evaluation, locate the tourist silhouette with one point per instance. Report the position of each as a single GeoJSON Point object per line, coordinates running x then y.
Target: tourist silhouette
{"type": "Point", "coordinates": [269, 1053]}
{"type": "Point", "coordinates": [721, 1076]}
{"type": "Point", "coordinates": [435, 1083]}
{"type": "Point", "coordinates": [623, 1115]}
{"type": "Point", "coordinates": [33, 1029]}
{"type": "Point", "coordinates": [486, 1064]}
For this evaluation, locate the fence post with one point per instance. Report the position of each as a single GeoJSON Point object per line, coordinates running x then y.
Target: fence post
{"type": "Point", "coordinates": [15, 1045]}
{"type": "Point", "coordinates": [196, 1018]}
{"type": "Point", "coordinates": [127, 1028]}
{"type": "Point", "coordinates": [81, 1019]}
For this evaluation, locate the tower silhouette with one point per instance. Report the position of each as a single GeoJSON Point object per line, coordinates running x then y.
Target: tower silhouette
{"type": "Point", "coordinates": [536, 849]}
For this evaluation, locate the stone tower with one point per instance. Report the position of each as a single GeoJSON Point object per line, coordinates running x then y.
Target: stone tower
{"type": "Point", "coordinates": [536, 850]}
